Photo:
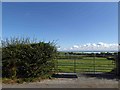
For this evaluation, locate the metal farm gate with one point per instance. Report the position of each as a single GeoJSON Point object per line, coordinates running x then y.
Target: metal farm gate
{"type": "Point", "coordinates": [86, 63]}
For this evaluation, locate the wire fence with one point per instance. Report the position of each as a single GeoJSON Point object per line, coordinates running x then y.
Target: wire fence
{"type": "Point", "coordinates": [89, 63]}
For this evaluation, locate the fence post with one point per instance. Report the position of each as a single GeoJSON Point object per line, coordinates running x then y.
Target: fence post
{"type": "Point", "coordinates": [94, 61]}
{"type": "Point", "coordinates": [75, 65]}
{"type": "Point", "coordinates": [57, 65]}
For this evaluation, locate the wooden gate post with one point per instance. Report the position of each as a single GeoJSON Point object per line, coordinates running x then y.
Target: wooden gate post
{"type": "Point", "coordinates": [118, 65]}
{"type": "Point", "coordinates": [74, 65]}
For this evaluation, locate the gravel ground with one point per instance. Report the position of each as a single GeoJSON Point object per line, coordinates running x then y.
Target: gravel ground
{"type": "Point", "coordinates": [80, 82]}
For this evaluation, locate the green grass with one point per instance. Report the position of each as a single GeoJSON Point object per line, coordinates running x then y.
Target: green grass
{"type": "Point", "coordinates": [87, 64]}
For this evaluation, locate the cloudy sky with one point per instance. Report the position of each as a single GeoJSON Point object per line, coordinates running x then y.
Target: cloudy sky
{"type": "Point", "coordinates": [92, 47]}
{"type": "Point", "coordinates": [75, 26]}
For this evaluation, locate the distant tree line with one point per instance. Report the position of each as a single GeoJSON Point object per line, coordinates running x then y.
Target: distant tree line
{"type": "Point", "coordinates": [102, 54]}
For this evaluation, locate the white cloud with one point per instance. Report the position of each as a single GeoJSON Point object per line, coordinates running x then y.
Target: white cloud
{"type": "Point", "coordinates": [59, 48]}
{"type": "Point", "coordinates": [92, 47]}
{"type": "Point", "coordinates": [75, 46]}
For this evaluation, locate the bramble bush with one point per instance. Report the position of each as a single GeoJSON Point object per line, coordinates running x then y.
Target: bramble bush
{"type": "Point", "coordinates": [23, 58]}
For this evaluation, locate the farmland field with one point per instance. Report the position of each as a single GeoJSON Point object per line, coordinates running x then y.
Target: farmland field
{"type": "Point", "coordinates": [86, 64]}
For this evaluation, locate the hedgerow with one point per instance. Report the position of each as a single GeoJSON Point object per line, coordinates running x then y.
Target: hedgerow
{"type": "Point", "coordinates": [23, 58]}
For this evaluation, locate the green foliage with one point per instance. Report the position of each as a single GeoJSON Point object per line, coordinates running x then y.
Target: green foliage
{"type": "Point", "coordinates": [22, 58]}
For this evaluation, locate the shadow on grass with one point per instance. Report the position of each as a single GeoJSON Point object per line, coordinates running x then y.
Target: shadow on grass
{"type": "Point", "coordinates": [65, 75]}
{"type": "Point", "coordinates": [108, 76]}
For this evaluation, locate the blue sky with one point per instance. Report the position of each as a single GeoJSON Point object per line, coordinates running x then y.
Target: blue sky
{"type": "Point", "coordinates": [68, 23]}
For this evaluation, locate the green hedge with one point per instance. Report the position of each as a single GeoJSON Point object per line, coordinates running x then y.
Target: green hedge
{"type": "Point", "coordinates": [22, 58]}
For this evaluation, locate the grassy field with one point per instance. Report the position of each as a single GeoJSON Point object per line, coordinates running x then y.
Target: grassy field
{"type": "Point", "coordinates": [87, 64]}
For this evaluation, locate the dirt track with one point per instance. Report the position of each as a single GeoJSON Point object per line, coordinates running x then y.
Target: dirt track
{"type": "Point", "coordinates": [80, 82]}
